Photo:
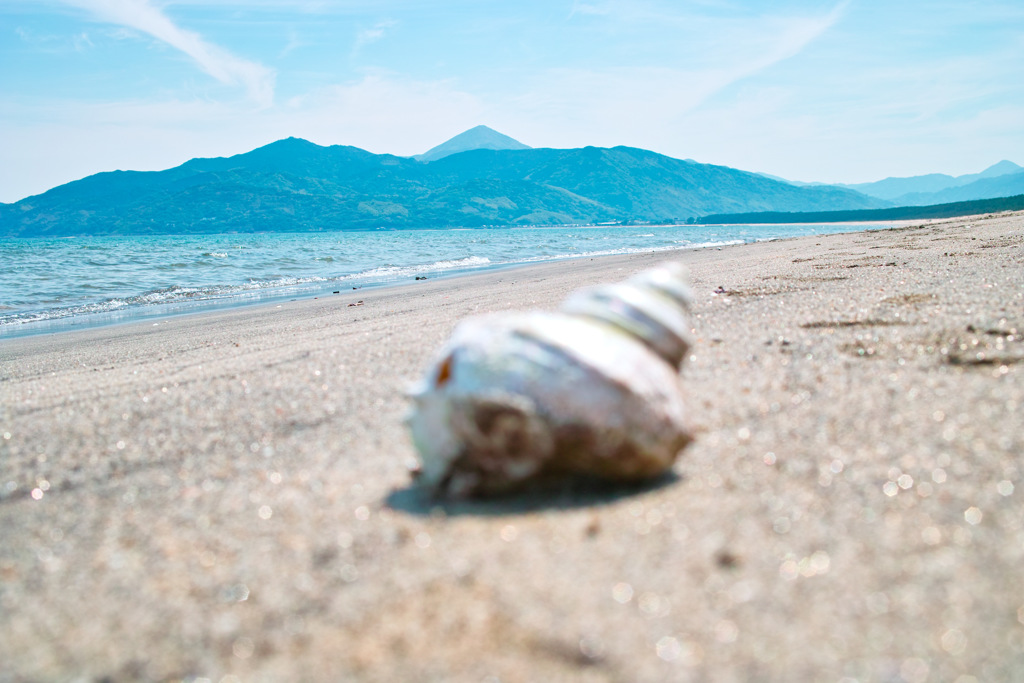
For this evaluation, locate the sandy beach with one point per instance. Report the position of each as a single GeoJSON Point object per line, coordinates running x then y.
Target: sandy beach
{"type": "Point", "coordinates": [225, 496]}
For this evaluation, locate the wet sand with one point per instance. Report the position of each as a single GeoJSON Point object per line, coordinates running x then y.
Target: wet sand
{"type": "Point", "coordinates": [226, 495]}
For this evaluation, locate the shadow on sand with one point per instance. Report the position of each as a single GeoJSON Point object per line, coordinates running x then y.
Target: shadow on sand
{"type": "Point", "coordinates": [565, 494]}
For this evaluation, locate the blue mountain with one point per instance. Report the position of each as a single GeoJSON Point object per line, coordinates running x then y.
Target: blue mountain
{"type": "Point", "coordinates": [932, 188]}
{"type": "Point", "coordinates": [293, 185]}
{"type": "Point", "coordinates": [1004, 185]}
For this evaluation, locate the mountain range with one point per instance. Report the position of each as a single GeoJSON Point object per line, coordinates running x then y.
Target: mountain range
{"type": "Point", "coordinates": [478, 178]}
{"type": "Point", "coordinates": [1003, 179]}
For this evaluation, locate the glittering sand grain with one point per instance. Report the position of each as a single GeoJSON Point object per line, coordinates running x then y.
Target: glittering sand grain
{"type": "Point", "coordinates": [224, 496]}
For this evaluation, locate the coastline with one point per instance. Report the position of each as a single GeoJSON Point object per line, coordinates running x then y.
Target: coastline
{"type": "Point", "coordinates": [225, 493]}
{"type": "Point", "coordinates": [87, 296]}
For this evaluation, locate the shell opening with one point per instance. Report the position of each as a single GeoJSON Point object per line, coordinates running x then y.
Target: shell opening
{"type": "Point", "coordinates": [444, 372]}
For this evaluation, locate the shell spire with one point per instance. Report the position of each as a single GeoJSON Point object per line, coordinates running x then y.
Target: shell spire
{"type": "Point", "coordinates": [651, 306]}
{"type": "Point", "coordinates": [592, 390]}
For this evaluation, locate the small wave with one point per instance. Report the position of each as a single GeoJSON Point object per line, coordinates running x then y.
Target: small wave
{"type": "Point", "coordinates": [467, 262]}
{"type": "Point", "coordinates": [709, 245]}
{"type": "Point", "coordinates": [676, 246]}
{"type": "Point", "coordinates": [266, 283]}
{"type": "Point", "coordinates": [395, 272]}
{"type": "Point", "coordinates": [215, 254]}
{"type": "Point", "coordinates": [175, 294]}
{"type": "Point", "coordinates": [181, 294]}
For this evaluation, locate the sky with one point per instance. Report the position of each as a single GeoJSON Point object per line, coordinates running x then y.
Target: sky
{"type": "Point", "coordinates": [829, 91]}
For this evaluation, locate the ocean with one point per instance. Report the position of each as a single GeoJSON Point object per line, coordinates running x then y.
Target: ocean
{"type": "Point", "coordinates": [53, 284]}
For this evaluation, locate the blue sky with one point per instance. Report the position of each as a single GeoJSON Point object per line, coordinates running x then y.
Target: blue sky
{"type": "Point", "coordinates": [846, 91]}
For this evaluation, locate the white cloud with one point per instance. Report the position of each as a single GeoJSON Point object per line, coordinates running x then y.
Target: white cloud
{"type": "Point", "coordinates": [227, 68]}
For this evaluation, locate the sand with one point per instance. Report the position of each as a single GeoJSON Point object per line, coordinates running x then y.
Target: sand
{"type": "Point", "coordinates": [224, 496]}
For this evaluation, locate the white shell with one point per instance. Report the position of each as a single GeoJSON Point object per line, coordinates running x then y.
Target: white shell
{"type": "Point", "coordinates": [590, 390]}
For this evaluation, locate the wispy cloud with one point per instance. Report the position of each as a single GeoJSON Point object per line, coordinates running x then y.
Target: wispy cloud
{"type": "Point", "coordinates": [227, 68]}
{"type": "Point", "coordinates": [82, 42]}
{"type": "Point", "coordinates": [606, 99]}
{"type": "Point", "coordinates": [294, 43]}
{"type": "Point", "coordinates": [792, 36]}
{"type": "Point", "coordinates": [53, 42]}
{"type": "Point", "coordinates": [371, 35]}
{"type": "Point", "coordinates": [581, 7]}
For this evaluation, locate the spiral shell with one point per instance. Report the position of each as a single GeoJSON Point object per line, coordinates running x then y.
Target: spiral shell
{"type": "Point", "coordinates": [592, 389]}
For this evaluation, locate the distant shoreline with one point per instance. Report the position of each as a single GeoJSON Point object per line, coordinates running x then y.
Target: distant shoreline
{"type": "Point", "coordinates": [966, 209]}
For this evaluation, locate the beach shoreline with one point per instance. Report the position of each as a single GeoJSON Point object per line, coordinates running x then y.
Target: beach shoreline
{"type": "Point", "coordinates": [226, 493]}
{"type": "Point", "coordinates": [185, 292]}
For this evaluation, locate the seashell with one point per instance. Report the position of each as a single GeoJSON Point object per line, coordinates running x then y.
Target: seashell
{"type": "Point", "coordinates": [592, 389]}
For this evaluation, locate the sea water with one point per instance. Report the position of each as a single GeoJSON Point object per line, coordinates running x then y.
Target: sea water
{"type": "Point", "coordinates": [50, 284]}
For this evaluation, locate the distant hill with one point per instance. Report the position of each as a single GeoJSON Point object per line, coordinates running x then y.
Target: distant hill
{"type": "Point", "coordinates": [480, 137]}
{"type": "Point", "coordinates": [294, 185]}
{"type": "Point", "coordinates": [985, 188]}
{"type": "Point", "coordinates": [1004, 167]}
{"type": "Point", "coordinates": [928, 189]}
{"type": "Point", "coordinates": [979, 206]}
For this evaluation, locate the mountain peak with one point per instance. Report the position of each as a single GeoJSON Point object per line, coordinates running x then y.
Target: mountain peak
{"type": "Point", "coordinates": [1004, 167]}
{"type": "Point", "coordinates": [480, 137]}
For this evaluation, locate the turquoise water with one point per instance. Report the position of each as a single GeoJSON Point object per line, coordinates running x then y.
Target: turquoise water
{"type": "Point", "coordinates": [48, 284]}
